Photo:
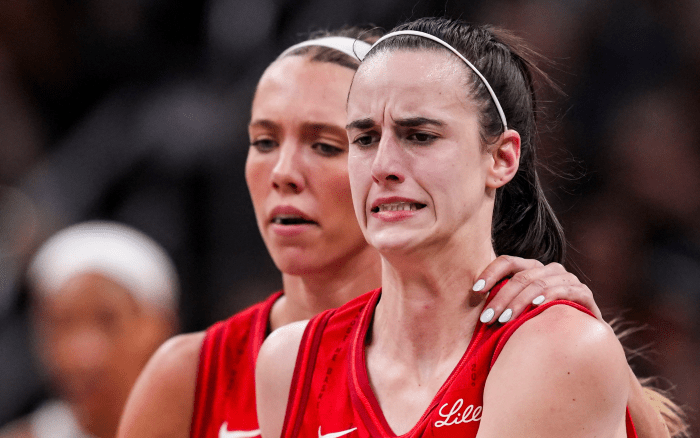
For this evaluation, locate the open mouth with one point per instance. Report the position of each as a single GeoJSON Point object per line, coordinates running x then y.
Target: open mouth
{"type": "Point", "coordinates": [398, 206]}
{"type": "Point", "coordinates": [290, 219]}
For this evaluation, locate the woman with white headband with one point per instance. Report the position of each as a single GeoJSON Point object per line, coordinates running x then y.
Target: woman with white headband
{"type": "Point", "coordinates": [441, 124]}
{"type": "Point", "coordinates": [202, 384]}
{"type": "Point", "coordinates": [104, 298]}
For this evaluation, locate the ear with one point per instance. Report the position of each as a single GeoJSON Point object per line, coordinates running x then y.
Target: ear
{"type": "Point", "coordinates": [505, 156]}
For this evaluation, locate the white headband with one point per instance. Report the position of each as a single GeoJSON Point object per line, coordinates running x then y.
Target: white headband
{"type": "Point", "coordinates": [439, 41]}
{"type": "Point", "coordinates": [116, 251]}
{"type": "Point", "coordinates": [354, 48]}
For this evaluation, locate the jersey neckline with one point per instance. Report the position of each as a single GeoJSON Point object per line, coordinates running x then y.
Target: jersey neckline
{"type": "Point", "coordinates": [361, 391]}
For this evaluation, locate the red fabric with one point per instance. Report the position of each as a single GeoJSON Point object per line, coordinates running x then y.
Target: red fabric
{"type": "Point", "coordinates": [331, 394]}
{"type": "Point", "coordinates": [225, 392]}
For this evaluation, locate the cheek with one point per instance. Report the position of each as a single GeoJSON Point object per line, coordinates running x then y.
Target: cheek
{"type": "Point", "coordinates": [257, 172]}
{"type": "Point", "coordinates": [336, 196]}
{"type": "Point", "coordinates": [360, 179]}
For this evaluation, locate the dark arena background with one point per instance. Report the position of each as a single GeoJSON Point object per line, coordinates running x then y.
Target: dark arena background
{"type": "Point", "coordinates": [136, 111]}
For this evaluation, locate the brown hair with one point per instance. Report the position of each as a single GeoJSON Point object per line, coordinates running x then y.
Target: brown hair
{"type": "Point", "coordinates": [524, 223]}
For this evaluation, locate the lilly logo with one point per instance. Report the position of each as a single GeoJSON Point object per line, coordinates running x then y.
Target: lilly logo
{"type": "Point", "coordinates": [225, 433]}
{"type": "Point", "coordinates": [458, 416]}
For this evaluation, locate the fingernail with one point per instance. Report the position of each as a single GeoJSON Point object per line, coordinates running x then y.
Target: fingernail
{"type": "Point", "coordinates": [505, 316]}
{"type": "Point", "coordinates": [539, 300]}
{"type": "Point", "coordinates": [479, 285]}
{"type": "Point", "coordinates": [487, 315]}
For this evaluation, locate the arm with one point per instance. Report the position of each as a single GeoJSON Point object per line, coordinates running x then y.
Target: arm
{"type": "Point", "coordinates": [562, 373]}
{"type": "Point", "coordinates": [647, 420]}
{"type": "Point", "coordinates": [162, 400]}
{"type": "Point", "coordinates": [273, 376]}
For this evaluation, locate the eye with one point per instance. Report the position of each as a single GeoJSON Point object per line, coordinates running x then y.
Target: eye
{"type": "Point", "coordinates": [327, 149]}
{"type": "Point", "coordinates": [264, 145]}
{"type": "Point", "coordinates": [365, 140]}
{"type": "Point", "coordinates": [421, 137]}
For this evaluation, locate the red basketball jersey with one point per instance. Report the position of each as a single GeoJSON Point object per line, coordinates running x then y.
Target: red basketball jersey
{"type": "Point", "coordinates": [224, 402]}
{"type": "Point", "coordinates": [331, 395]}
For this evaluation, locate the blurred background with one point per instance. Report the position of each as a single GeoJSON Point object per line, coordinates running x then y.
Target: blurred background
{"type": "Point", "coordinates": [136, 111]}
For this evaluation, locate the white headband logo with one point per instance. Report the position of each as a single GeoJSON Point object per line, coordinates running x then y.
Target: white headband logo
{"type": "Point", "coordinates": [354, 48]}
{"type": "Point", "coordinates": [453, 50]}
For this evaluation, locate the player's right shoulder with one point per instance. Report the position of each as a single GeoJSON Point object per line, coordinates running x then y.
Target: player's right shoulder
{"type": "Point", "coordinates": [162, 400]}
{"type": "Point", "coordinates": [178, 355]}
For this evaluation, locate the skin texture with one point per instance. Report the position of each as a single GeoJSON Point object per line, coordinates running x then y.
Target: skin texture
{"type": "Point", "coordinates": [414, 139]}
{"type": "Point", "coordinates": [94, 340]}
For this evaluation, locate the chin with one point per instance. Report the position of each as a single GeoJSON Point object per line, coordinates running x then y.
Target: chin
{"type": "Point", "coordinates": [394, 246]}
{"type": "Point", "coordinates": [296, 262]}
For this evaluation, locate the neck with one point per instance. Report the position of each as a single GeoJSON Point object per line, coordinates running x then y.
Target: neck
{"type": "Point", "coordinates": [428, 312]}
{"type": "Point", "coordinates": [309, 294]}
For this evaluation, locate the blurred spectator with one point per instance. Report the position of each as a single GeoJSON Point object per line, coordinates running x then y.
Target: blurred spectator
{"type": "Point", "coordinates": [638, 238]}
{"type": "Point", "coordinates": [104, 297]}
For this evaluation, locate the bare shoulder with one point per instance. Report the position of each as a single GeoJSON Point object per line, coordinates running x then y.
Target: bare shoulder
{"type": "Point", "coordinates": [563, 329]}
{"type": "Point", "coordinates": [562, 373]}
{"type": "Point", "coordinates": [273, 376]}
{"type": "Point", "coordinates": [17, 429]}
{"type": "Point", "coordinates": [162, 400]}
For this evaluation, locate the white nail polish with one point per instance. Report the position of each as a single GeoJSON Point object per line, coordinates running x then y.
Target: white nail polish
{"type": "Point", "coordinates": [479, 285]}
{"type": "Point", "coordinates": [505, 316]}
{"type": "Point", "coordinates": [487, 315]}
{"type": "Point", "coordinates": [539, 300]}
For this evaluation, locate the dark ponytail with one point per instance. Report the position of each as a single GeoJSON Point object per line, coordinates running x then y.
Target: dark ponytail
{"type": "Point", "coordinates": [524, 223]}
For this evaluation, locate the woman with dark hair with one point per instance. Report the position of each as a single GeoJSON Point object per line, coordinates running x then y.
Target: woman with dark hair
{"type": "Point", "coordinates": [442, 166]}
{"type": "Point", "coordinates": [202, 384]}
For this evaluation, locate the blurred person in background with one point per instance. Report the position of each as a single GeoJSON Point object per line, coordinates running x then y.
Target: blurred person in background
{"type": "Point", "coordinates": [638, 236]}
{"type": "Point", "coordinates": [104, 297]}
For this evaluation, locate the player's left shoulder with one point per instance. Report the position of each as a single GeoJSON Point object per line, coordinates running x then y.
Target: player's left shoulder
{"type": "Point", "coordinates": [561, 372]}
{"type": "Point", "coordinates": [565, 337]}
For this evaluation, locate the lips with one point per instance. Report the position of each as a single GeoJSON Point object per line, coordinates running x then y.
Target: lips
{"type": "Point", "coordinates": [287, 215]}
{"type": "Point", "coordinates": [395, 204]}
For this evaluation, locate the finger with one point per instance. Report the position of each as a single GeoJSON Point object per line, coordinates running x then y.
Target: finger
{"type": "Point", "coordinates": [571, 289]}
{"type": "Point", "coordinates": [503, 266]}
{"type": "Point", "coordinates": [554, 287]}
{"type": "Point", "coordinates": [539, 291]}
{"type": "Point", "coordinates": [518, 295]}
{"type": "Point", "coordinates": [512, 289]}
{"type": "Point", "coordinates": [533, 287]}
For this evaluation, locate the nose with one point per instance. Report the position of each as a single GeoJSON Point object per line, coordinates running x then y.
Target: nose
{"type": "Point", "coordinates": [287, 175]}
{"type": "Point", "coordinates": [386, 166]}
{"type": "Point", "coordinates": [86, 350]}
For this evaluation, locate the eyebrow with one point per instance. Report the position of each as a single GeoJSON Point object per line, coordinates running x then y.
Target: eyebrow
{"type": "Point", "coordinates": [365, 123]}
{"type": "Point", "coordinates": [315, 127]}
{"type": "Point", "coordinates": [263, 124]}
{"type": "Point", "coordinates": [404, 123]}
{"type": "Point", "coordinates": [417, 121]}
{"type": "Point", "coordinates": [325, 127]}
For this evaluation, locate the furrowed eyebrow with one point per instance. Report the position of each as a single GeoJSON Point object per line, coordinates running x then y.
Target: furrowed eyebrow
{"type": "Point", "coordinates": [417, 121]}
{"type": "Point", "coordinates": [361, 124]}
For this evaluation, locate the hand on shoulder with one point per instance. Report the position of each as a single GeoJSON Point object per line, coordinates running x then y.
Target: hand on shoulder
{"type": "Point", "coordinates": [162, 400]}
{"type": "Point", "coordinates": [562, 373]}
